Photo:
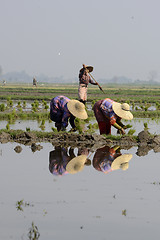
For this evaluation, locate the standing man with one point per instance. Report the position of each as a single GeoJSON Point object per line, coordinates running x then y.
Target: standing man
{"type": "Point", "coordinates": [34, 82]}
{"type": "Point", "coordinates": [84, 80]}
{"type": "Point", "coordinates": [109, 113]}
{"type": "Point", "coordinates": [62, 110]}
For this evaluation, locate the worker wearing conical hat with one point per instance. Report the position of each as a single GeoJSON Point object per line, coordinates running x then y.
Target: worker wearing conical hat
{"type": "Point", "coordinates": [63, 109]}
{"type": "Point", "coordinates": [84, 80]}
{"type": "Point", "coordinates": [109, 113]}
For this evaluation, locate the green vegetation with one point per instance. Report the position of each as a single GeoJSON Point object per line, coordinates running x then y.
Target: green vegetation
{"type": "Point", "coordinates": [49, 135]}
{"type": "Point", "coordinates": [139, 98]}
{"type": "Point", "coordinates": [33, 233]}
{"type": "Point", "coordinates": [20, 204]}
{"type": "Point", "coordinates": [123, 93]}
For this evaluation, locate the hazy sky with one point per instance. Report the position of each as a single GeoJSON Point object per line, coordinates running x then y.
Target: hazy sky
{"type": "Point", "coordinates": [55, 37]}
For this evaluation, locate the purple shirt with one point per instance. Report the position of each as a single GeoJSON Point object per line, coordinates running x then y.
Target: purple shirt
{"type": "Point", "coordinates": [106, 108]}
{"type": "Point", "coordinates": [58, 106]}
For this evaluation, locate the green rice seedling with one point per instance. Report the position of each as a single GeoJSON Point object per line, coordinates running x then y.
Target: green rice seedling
{"type": "Point", "coordinates": [14, 111]}
{"type": "Point", "coordinates": [44, 102]}
{"type": "Point", "coordinates": [8, 99]}
{"type": "Point", "coordinates": [18, 104]}
{"type": "Point", "coordinates": [54, 129]}
{"type": "Point", "coordinates": [36, 103]}
{"type": "Point", "coordinates": [24, 104]}
{"type": "Point", "coordinates": [2, 107]}
{"type": "Point", "coordinates": [157, 106]}
{"type": "Point", "coordinates": [93, 102]}
{"type": "Point", "coordinates": [131, 132]}
{"type": "Point", "coordinates": [124, 212]}
{"type": "Point", "coordinates": [89, 126]}
{"type": "Point", "coordinates": [39, 117]}
{"type": "Point", "coordinates": [50, 121]}
{"type": "Point", "coordinates": [145, 126]}
{"type": "Point", "coordinates": [9, 103]}
{"type": "Point", "coordinates": [43, 122]}
{"type": "Point", "coordinates": [34, 109]}
{"type": "Point", "coordinates": [92, 127]}
{"type": "Point", "coordinates": [42, 126]}
{"type": "Point", "coordinates": [128, 126]}
{"type": "Point", "coordinates": [7, 127]}
{"type": "Point", "coordinates": [10, 118]}
{"type": "Point", "coordinates": [33, 232]}
{"type": "Point", "coordinates": [20, 109]}
{"type": "Point", "coordinates": [28, 129]}
{"type": "Point", "coordinates": [87, 120]}
{"type": "Point", "coordinates": [46, 107]}
{"type": "Point", "coordinates": [23, 115]}
{"type": "Point", "coordinates": [147, 105]}
{"type": "Point", "coordinates": [19, 205]}
{"type": "Point", "coordinates": [78, 125]}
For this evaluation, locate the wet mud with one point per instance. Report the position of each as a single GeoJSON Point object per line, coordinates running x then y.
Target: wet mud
{"type": "Point", "coordinates": [144, 140]}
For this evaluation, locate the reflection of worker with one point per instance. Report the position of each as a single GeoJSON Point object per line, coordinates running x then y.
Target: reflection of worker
{"type": "Point", "coordinates": [58, 160]}
{"type": "Point", "coordinates": [109, 113]}
{"type": "Point", "coordinates": [84, 80]}
{"type": "Point", "coordinates": [77, 164]}
{"type": "Point", "coordinates": [121, 162]}
{"type": "Point", "coordinates": [62, 161]}
{"type": "Point", "coordinates": [104, 157]}
{"type": "Point", "coordinates": [84, 151]}
{"type": "Point", "coordinates": [63, 109]}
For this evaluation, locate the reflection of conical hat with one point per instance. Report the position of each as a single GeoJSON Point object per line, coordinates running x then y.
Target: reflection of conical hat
{"type": "Point", "coordinates": [89, 68]}
{"type": "Point", "coordinates": [121, 162]}
{"type": "Point", "coordinates": [77, 109]}
{"type": "Point", "coordinates": [122, 110]}
{"type": "Point", "coordinates": [76, 164]}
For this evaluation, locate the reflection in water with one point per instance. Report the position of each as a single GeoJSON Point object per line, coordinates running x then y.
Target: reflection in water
{"type": "Point", "coordinates": [107, 159]}
{"type": "Point", "coordinates": [33, 233]}
{"type": "Point", "coordinates": [77, 164]}
{"type": "Point", "coordinates": [121, 162]}
{"type": "Point", "coordinates": [62, 161]}
{"type": "Point", "coordinates": [58, 160]}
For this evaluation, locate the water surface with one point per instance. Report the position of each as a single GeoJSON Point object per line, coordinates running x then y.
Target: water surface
{"type": "Point", "coordinates": [90, 204]}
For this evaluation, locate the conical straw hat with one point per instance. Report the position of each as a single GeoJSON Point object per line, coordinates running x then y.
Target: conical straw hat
{"type": "Point", "coordinates": [89, 68]}
{"type": "Point", "coordinates": [77, 109]}
{"type": "Point", "coordinates": [121, 162]}
{"type": "Point", "coordinates": [122, 110]}
{"type": "Point", "coordinates": [76, 164]}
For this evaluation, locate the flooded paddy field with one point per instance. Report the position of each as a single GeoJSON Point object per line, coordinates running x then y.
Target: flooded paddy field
{"type": "Point", "coordinates": [137, 125]}
{"type": "Point", "coordinates": [93, 203]}
{"type": "Point", "coordinates": [113, 193]}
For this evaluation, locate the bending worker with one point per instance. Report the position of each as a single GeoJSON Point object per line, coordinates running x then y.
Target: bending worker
{"type": "Point", "coordinates": [63, 109]}
{"type": "Point", "coordinates": [84, 80]}
{"type": "Point", "coordinates": [109, 113]}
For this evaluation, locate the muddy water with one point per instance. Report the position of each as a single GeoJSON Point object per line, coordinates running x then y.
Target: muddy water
{"type": "Point", "coordinates": [90, 204]}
